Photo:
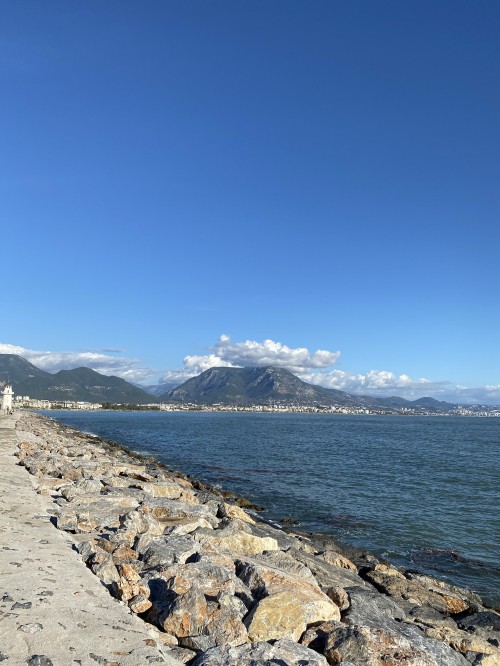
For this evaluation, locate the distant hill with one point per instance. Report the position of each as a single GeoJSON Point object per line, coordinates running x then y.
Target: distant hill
{"type": "Point", "coordinates": [266, 385]}
{"type": "Point", "coordinates": [77, 384]}
{"type": "Point", "coordinates": [428, 404]}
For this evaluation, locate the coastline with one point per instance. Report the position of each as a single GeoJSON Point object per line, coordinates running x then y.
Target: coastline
{"type": "Point", "coordinates": [306, 591]}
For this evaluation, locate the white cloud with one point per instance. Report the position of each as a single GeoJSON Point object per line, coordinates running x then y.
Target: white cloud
{"type": "Point", "coordinates": [51, 361]}
{"type": "Point", "coordinates": [251, 353]}
{"type": "Point", "coordinates": [375, 382]}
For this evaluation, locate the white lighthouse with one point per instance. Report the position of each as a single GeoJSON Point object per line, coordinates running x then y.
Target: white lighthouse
{"type": "Point", "coordinates": [7, 395]}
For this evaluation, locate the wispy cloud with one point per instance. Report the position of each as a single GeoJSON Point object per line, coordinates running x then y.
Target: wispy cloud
{"type": "Point", "coordinates": [250, 353]}
{"type": "Point", "coordinates": [52, 361]}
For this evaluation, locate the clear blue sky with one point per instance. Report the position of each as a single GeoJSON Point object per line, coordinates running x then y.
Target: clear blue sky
{"type": "Point", "coordinates": [324, 174]}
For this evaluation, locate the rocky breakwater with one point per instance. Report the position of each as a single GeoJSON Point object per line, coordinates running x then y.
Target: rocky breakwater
{"type": "Point", "coordinates": [227, 589]}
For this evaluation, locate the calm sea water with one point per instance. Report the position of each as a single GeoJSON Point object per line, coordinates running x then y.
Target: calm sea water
{"type": "Point", "coordinates": [422, 492]}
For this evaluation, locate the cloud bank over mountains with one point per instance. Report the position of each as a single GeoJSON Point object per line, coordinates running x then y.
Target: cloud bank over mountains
{"type": "Point", "coordinates": [101, 361]}
{"type": "Point", "coordinates": [315, 367]}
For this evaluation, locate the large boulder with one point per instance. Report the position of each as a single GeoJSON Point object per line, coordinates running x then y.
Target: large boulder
{"type": "Point", "coordinates": [164, 551]}
{"type": "Point", "coordinates": [236, 537]}
{"type": "Point", "coordinates": [396, 585]}
{"type": "Point", "coordinates": [364, 646]}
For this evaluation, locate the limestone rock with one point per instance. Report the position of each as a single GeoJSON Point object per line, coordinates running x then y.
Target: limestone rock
{"type": "Point", "coordinates": [162, 552]}
{"type": "Point", "coordinates": [128, 570]}
{"type": "Point", "coordinates": [141, 523]}
{"type": "Point", "coordinates": [364, 646]}
{"type": "Point", "coordinates": [279, 615]}
{"type": "Point", "coordinates": [166, 509]}
{"type": "Point", "coordinates": [184, 526]}
{"type": "Point", "coordinates": [370, 609]}
{"type": "Point", "coordinates": [484, 619]}
{"type": "Point", "coordinates": [462, 641]}
{"type": "Point", "coordinates": [234, 540]}
{"type": "Point", "coordinates": [198, 623]}
{"type": "Point", "coordinates": [413, 591]}
{"type": "Point", "coordinates": [124, 554]}
{"type": "Point", "coordinates": [266, 581]}
{"type": "Point", "coordinates": [234, 511]}
{"type": "Point", "coordinates": [209, 579]}
{"type": "Point", "coordinates": [283, 651]}
{"type": "Point", "coordinates": [339, 597]}
{"type": "Point", "coordinates": [106, 571]}
{"type": "Point", "coordinates": [338, 560]}
{"type": "Point", "coordinates": [162, 489]}
{"type": "Point", "coordinates": [327, 574]}
{"type": "Point", "coordinates": [139, 604]}
{"type": "Point", "coordinates": [183, 655]}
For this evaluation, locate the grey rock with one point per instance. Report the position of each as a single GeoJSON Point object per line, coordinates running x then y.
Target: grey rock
{"type": "Point", "coordinates": [165, 509]}
{"type": "Point", "coordinates": [375, 611]}
{"type": "Point", "coordinates": [364, 646]}
{"type": "Point", "coordinates": [31, 628]}
{"type": "Point", "coordinates": [486, 619]}
{"type": "Point", "coordinates": [427, 616]}
{"type": "Point", "coordinates": [284, 652]}
{"type": "Point", "coordinates": [169, 550]}
{"type": "Point", "coordinates": [326, 574]}
{"type": "Point", "coordinates": [106, 571]}
{"type": "Point", "coordinates": [183, 655]}
{"type": "Point", "coordinates": [369, 608]}
{"type": "Point", "coordinates": [443, 599]}
{"type": "Point", "coordinates": [39, 660]}
{"type": "Point", "coordinates": [285, 541]}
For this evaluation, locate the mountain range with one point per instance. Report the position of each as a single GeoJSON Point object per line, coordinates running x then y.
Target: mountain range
{"type": "Point", "coordinates": [227, 386]}
{"type": "Point", "coordinates": [77, 384]}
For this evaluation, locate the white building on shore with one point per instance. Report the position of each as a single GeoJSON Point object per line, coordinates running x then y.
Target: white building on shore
{"type": "Point", "coordinates": [7, 396]}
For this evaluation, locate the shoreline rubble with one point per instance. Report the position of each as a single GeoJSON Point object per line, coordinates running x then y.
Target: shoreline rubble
{"type": "Point", "coordinates": [220, 587]}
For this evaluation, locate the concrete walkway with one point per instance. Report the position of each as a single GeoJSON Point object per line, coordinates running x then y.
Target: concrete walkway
{"type": "Point", "coordinates": [53, 610]}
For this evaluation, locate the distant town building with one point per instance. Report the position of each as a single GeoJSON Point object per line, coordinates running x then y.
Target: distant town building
{"type": "Point", "coordinates": [6, 399]}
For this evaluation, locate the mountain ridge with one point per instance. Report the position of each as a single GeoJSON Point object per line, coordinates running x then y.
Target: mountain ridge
{"type": "Point", "coordinates": [78, 384]}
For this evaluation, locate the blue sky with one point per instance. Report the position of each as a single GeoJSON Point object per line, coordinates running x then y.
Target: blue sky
{"type": "Point", "coordinates": [321, 175]}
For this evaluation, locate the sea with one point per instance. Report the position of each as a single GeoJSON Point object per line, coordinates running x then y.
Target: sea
{"type": "Point", "coordinates": [422, 492]}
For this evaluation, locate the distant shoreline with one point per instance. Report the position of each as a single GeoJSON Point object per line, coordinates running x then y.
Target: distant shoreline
{"type": "Point", "coordinates": [258, 409]}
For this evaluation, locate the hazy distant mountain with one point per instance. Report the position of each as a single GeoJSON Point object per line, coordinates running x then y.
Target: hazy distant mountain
{"type": "Point", "coordinates": [429, 404]}
{"type": "Point", "coordinates": [159, 389]}
{"type": "Point", "coordinates": [244, 386]}
{"type": "Point", "coordinates": [77, 384]}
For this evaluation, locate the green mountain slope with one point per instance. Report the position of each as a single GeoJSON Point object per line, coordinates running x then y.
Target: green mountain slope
{"type": "Point", "coordinates": [245, 386]}
{"type": "Point", "coordinates": [77, 384]}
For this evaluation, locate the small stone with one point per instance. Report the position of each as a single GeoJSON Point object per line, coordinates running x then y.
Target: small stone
{"type": "Point", "coordinates": [31, 628]}
{"type": "Point", "coordinates": [39, 660]}
{"type": "Point", "coordinates": [19, 605]}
